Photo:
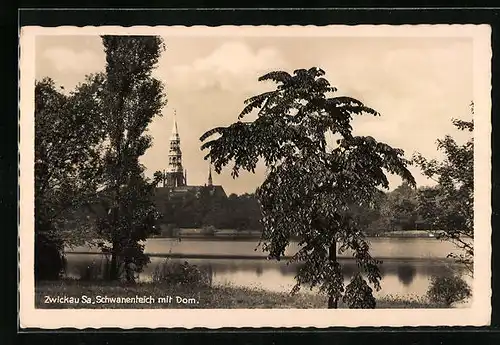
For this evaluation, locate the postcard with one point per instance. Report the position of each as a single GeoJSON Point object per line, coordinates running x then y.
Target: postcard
{"type": "Point", "coordinates": [255, 176]}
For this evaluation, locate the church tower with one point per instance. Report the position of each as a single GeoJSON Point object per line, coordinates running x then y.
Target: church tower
{"type": "Point", "coordinates": [175, 173]}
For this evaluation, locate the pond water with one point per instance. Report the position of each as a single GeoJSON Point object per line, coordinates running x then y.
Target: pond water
{"type": "Point", "coordinates": [384, 248]}
{"type": "Point", "coordinates": [408, 263]}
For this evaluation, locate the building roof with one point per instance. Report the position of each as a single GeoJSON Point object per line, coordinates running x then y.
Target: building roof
{"type": "Point", "coordinates": [218, 190]}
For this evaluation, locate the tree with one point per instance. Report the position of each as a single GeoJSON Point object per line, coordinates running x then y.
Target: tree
{"type": "Point", "coordinates": [310, 187]}
{"type": "Point", "coordinates": [234, 212]}
{"type": "Point", "coordinates": [159, 178]}
{"type": "Point", "coordinates": [67, 143]}
{"type": "Point", "coordinates": [428, 206]}
{"type": "Point", "coordinates": [132, 98]}
{"type": "Point", "coordinates": [243, 212]}
{"type": "Point", "coordinates": [399, 210]}
{"type": "Point", "coordinates": [452, 210]}
{"type": "Point", "coordinates": [449, 289]}
{"type": "Point", "coordinates": [370, 216]}
{"type": "Point", "coordinates": [359, 295]}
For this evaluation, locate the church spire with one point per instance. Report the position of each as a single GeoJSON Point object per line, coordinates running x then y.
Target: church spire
{"type": "Point", "coordinates": [210, 174]}
{"type": "Point", "coordinates": [175, 130]}
{"type": "Point", "coordinates": [175, 171]}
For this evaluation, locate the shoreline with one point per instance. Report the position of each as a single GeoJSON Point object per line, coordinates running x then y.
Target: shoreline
{"type": "Point", "coordinates": [246, 237]}
{"type": "Point", "coordinates": [250, 257]}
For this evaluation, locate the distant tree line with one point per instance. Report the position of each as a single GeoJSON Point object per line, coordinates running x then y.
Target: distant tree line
{"type": "Point", "coordinates": [197, 210]}
{"type": "Point", "coordinates": [407, 208]}
{"type": "Point", "coordinates": [404, 208]}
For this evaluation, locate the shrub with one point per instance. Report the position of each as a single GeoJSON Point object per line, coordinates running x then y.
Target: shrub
{"type": "Point", "coordinates": [447, 290]}
{"type": "Point", "coordinates": [358, 295]}
{"type": "Point", "coordinates": [181, 274]}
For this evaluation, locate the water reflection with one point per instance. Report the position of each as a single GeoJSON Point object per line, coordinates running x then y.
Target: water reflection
{"type": "Point", "coordinates": [289, 270]}
{"type": "Point", "coordinates": [416, 248]}
{"type": "Point", "coordinates": [406, 273]}
{"type": "Point", "coordinates": [259, 270]}
{"type": "Point", "coordinates": [398, 277]}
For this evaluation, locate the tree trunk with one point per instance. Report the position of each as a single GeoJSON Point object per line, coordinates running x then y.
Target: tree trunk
{"type": "Point", "coordinates": [113, 268]}
{"type": "Point", "coordinates": [129, 273]}
{"type": "Point", "coordinates": [332, 256]}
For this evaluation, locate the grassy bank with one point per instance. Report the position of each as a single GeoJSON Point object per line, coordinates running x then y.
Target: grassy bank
{"type": "Point", "coordinates": [57, 295]}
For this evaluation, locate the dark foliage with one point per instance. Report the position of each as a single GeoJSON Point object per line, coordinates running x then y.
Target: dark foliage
{"type": "Point", "coordinates": [67, 143]}
{"type": "Point", "coordinates": [311, 185]}
{"type": "Point", "coordinates": [196, 210]}
{"type": "Point", "coordinates": [176, 273]}
{"type": "Point", "coordinates": [131, 99]}
{"type": "Point", "coordinates": [449, 289]}
{"type": "Point", "coordinates": [358, 294]}
{"type": "Point", "coordinates": [88, 180]}
{"type": "Point", "coordinates": [450, 205]}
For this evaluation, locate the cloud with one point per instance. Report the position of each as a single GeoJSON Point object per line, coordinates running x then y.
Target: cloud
{"type": "Point", "coordinates": [232, 66]}
{"type": "Point", "coordinates": [68, 60]}
{"type": "Point", "coordinates": [418, 87]}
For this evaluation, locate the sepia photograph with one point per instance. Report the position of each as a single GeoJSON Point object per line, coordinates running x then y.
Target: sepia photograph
{"type": "Point", "coordinates": [255, 176]}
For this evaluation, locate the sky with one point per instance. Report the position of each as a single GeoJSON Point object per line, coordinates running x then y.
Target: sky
{"type": "Point", "coordinates": [417, 84]}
